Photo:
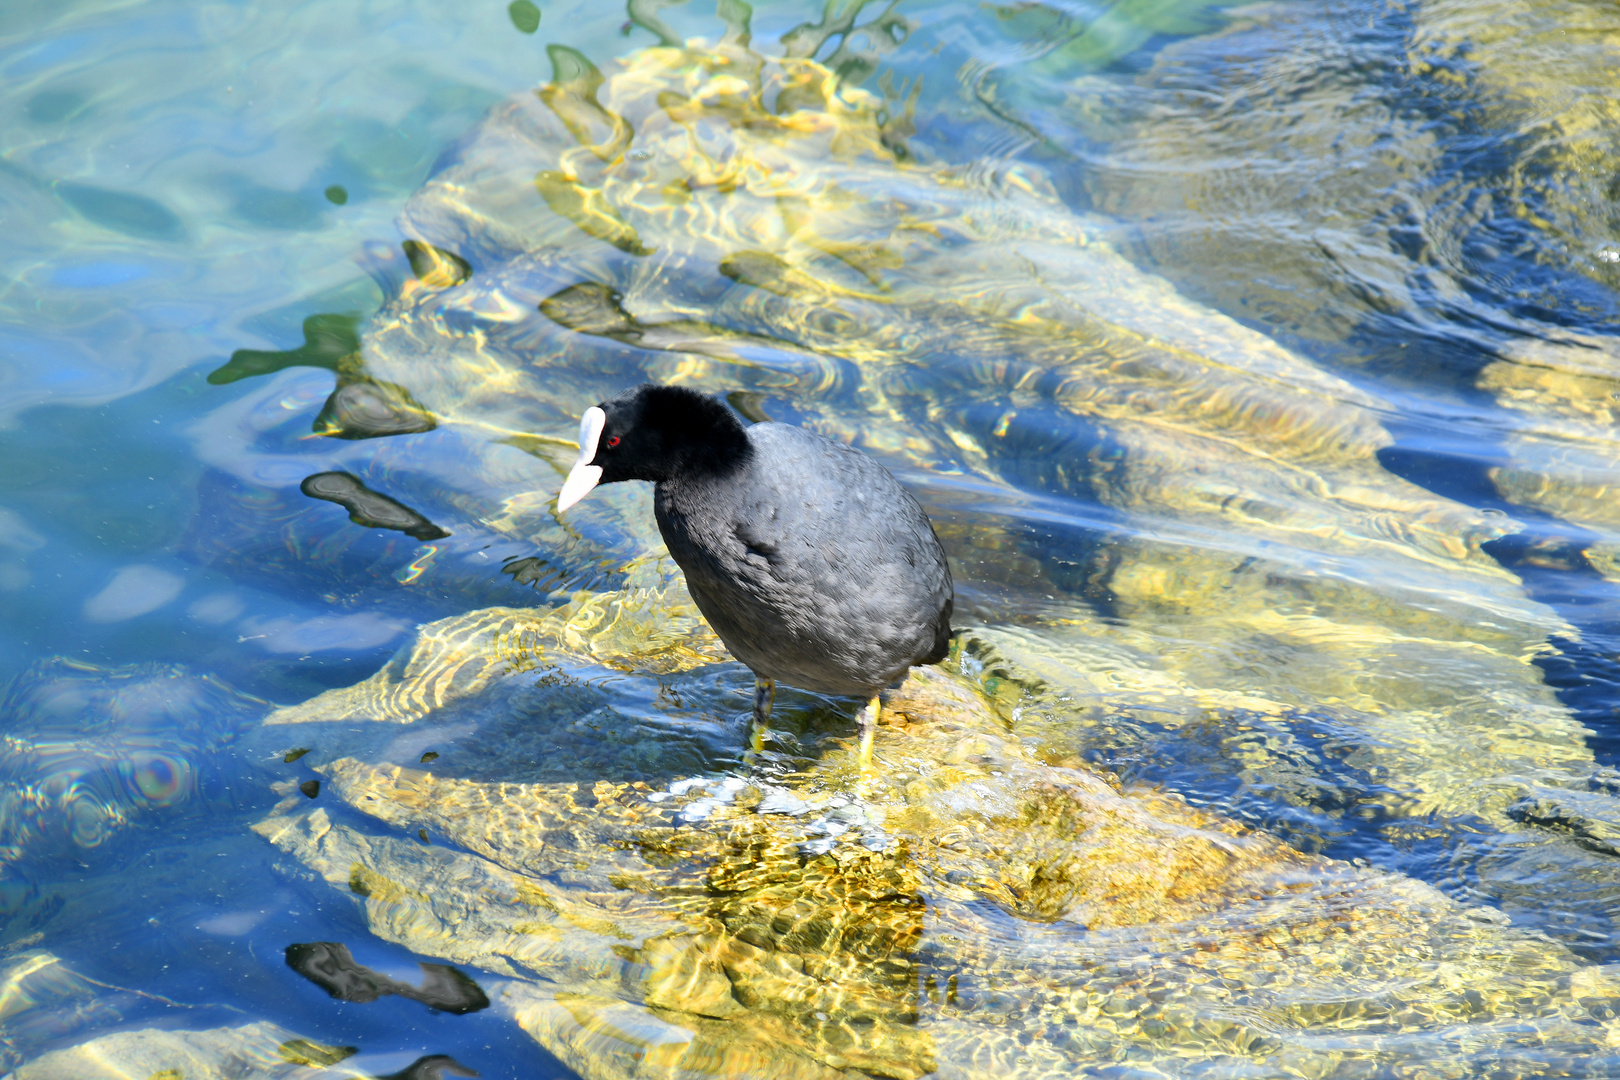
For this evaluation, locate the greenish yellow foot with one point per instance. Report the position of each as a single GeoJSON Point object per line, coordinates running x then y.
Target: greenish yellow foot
{"type": "Point", "coordinates": [764, 696]}
{"type": "Point", "coordinates": [869, 722]}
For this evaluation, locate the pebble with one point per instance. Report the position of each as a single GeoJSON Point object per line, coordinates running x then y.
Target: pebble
{"type": "Point", "coordinates": [718, 793]}
{"type": "Point", "coordinates": [841, 814]}
{"type": "Point", "coordinates": [782, 802]}
{"type": "Point", "coordinates": [696, 811]}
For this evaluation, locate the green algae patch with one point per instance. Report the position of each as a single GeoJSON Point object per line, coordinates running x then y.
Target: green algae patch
{"type": "Point", "coordinates": [122, 211]}
{"type": "Point", "coordinates": [330, 341]}
{"type": "Point", "coordinates": [317, 1055]}
{"type": "Point", "coordinates": [524, 15]}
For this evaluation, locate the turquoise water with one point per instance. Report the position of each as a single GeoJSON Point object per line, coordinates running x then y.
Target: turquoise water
{"type": "Point", "coordinates": [1417, 205]}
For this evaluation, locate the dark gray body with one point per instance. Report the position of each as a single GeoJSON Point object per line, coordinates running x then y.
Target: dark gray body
{"type": "Point", "coordinates": [812, 563]}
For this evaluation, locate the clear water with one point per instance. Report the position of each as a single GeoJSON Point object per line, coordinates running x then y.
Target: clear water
{"type": "Point", "coordinates": [1351, 581]}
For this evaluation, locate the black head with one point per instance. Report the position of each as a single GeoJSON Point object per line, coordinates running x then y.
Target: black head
{"type": "Point", "coordinates": [661, 432]}
{"type": "Point", "coordinates": [655, 433]}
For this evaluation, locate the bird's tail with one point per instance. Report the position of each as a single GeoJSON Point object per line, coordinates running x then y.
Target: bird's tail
{"type": "Point", "coordinates": [942, 635]}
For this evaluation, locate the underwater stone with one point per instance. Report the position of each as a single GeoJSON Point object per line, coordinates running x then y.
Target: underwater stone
{"type": "Point", "coordinates": [372, 509]}
{"type": "Point", "coordinates": [1588, 819]}
{"type": "Point", "coordinates": [724, 929]}
{"type": "Point", "coordinates": [590, 308]}
{"type": "Point", "coordinates": [436, 267]}
{"type": "Point", "coordinates": [777, 801]}
{"type": "Point", "coordinates": [431, 1067]}
{"type": "Point", "coordinates": [329, 965]}
{"type": "Point", "coordinates": [362, 408]}
{"type": "Point", "coordinates": [249, 1052]}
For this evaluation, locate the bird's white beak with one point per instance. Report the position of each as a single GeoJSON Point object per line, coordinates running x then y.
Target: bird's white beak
{"type": "Point", "coordinates": [584, 476]}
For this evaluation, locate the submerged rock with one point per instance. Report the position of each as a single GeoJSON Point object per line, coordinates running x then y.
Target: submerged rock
{"type": "Point", "coordinates": [328, 965]}
{"type": "Point", "coordinates": [362, 408]}
{"type": "Point", "coordinates": [431, 1067]}
{"type": "Point", "coordinates": [1139, 480]}
{"type": "Point", "coordinates": [249, 1052]}
{"type": "Point", "coordinates": [359, 407]}
{"type": "Point", "coordinates": [372, 509]}
{"type": "Point", "coordinates": [434, 267]}
{"type": "Point", "coordinates": [1347, 202]}
{"type": "Point", "coordinates": [1547, 79]}
{"type": "Point", "coordinates": [1022, 918]}
{"type": "Point", "coordinates": [43, 1001]}
{"type": "Point", "coordinates": [1561, 455]}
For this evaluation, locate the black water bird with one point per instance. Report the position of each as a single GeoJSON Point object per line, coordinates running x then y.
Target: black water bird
{"type": "Point", "coordinates": [811, 562]}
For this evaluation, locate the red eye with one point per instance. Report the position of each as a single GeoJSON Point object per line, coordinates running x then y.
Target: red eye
{"type": "Point", "coordinates": [613, 440]}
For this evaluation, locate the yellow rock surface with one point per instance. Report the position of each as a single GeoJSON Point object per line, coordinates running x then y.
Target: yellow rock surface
{"type": "Point", "coordinates": [964, 906]}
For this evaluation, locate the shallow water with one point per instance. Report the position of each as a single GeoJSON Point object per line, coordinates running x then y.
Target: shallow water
{"type": "Point", "coordinates": [1257, 365]}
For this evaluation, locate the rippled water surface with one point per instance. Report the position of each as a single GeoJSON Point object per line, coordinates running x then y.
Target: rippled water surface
{"type": "Point", "coordinates": [1257, 365]}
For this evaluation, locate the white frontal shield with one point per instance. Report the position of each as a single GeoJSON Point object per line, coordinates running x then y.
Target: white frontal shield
{"type": "Point", "coordinates": [584, 475]}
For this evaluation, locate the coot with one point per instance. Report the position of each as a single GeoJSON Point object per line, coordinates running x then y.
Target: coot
{"type": "Point", "coordinates": [807, 557]}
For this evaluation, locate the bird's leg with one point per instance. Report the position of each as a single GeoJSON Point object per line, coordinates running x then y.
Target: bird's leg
{"type": "Point", "coordinates": [764, 696]}
{"type": "Point", "coordinates": [869, 720]}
